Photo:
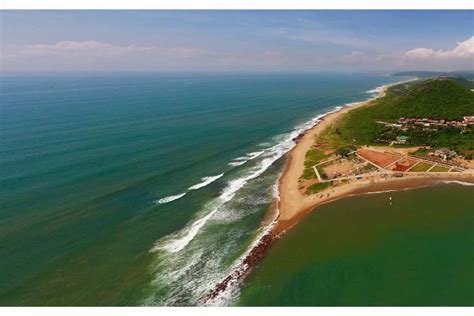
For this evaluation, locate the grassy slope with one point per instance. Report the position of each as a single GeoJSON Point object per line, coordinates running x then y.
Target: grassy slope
{"type": "Point", "coordinates": [432, 98]}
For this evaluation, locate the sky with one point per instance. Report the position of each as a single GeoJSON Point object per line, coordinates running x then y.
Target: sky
{"type": "Point", "coordinates": [71, 41]}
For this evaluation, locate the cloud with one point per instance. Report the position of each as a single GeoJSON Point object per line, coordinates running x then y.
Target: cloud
{"type": "Point", "coordinates": [70, 46]}
{"type": "Point", "coordinates": [460, 56]}
{"type": "Point", "coordinates": [94, 55]}
{"type": "Point", "coordinates": [419, 53]}
{"type": "Point", "coordinates": [104, 56]}
{"type": "Point", "coordinates": [94, 48]}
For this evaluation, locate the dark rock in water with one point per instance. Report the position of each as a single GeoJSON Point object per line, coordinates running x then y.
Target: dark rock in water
{"type": "Point", "coordinates": [242, 271]}
{"type": "Point", "coordinates": [297, 138]}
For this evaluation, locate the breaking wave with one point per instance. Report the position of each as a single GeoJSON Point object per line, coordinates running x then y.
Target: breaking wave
{"type": "Point", "coordinates": [354, 103]}
{"type": "Point", "coordinates": [252, 155]}
{"type": "Point", "coordinates": [237, 163]}
{"type": "Point", "coordinates": [205, 181]}
{"type": "Point", "coordinates": [375, 90]}
{"type": "Point", "coordinates": [169, 198]}
{"type": "Point", "coordinates": [239, 268]}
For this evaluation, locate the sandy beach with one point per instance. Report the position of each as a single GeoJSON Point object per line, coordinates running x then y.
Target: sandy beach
{"type": "Point", "coordinates": [292, 202]}
{"type": "Point", "coordinates": [294, 205]}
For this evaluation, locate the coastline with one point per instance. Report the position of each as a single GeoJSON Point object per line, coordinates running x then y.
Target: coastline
{"type": "Point", "coordinates": [291, 205]}
{"type": "Point", "coordinates": [273, 222]}
{"type": "Point", "coordinates": [291, 200]}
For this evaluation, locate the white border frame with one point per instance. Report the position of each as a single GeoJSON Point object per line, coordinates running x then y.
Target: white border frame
{"type": "Point", "coordinates": [238, 4]}
{"type": "Point", "coordinates": [241, 5]}
{"type": "Point", "coordinates": [253, 311]}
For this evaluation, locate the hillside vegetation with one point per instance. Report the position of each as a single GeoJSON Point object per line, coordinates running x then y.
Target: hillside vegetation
{"type": "Point", "coordinates": [439, 98]}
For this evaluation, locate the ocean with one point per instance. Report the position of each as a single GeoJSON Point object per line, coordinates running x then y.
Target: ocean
{"type": "Point", "coordinates": [145, 188]}
{"type": "Point", "coordinates": [406, 248]}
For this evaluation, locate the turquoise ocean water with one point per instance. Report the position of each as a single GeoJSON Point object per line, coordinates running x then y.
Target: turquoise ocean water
{"type": "Point", "coordinates": [144, 189]}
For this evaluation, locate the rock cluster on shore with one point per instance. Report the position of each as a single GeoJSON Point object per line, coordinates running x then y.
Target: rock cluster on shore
{"type": "Point", "coordinates": [243, 270]}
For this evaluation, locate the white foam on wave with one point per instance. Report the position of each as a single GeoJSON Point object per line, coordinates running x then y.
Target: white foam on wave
{"type": "Point", "coordinates": [254, 154]}
{"type": "Point", "coordinates": [354, 103]}
{"type": "Point", "coordinates": [237, 163]}
{"type": "Point", "coordinates": [250, 156]}
{"type": "Point", "coordinates": [381, 88]}
{"type": "Point", "coordinates": [205, 181]}
{"type": "Point", "coordinates": [169, 198]}
{"type": "Point", "coordinates": [469, 184]}
{"type": "Point", "coordinates": [241, 158]}
{"type": "Point", "coordinates": [375, 90]}
{"type": "Point", "coordinates": [225, 297]}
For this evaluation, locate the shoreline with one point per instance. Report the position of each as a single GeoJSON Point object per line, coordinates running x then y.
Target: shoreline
{"type": "Point", "coordinates": [395, 184]}
{"type": "Point", "coordinates": [292, 202]}
{"type": "Point", "coordinates": [291, 206]}
{"type": "Point", "coordinates": [272, 223]}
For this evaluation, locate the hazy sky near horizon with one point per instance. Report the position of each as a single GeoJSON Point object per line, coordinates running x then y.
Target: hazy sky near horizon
{"type": "Point", "coordinates": [236, 40]}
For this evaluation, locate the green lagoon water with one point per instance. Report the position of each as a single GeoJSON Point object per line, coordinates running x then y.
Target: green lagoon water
{"type": "Point", "coordinates": [147, 189]}
{"type": "Point", "coordinates": [362, 251]}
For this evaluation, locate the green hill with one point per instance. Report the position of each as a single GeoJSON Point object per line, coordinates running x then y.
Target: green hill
{"type": "Point", "coordinates": [438, 98]}
{"type": "Point", "coordinates": [441, 98]}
